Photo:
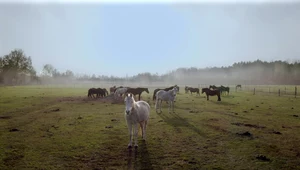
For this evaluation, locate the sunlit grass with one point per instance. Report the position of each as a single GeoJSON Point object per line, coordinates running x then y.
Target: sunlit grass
{"type": "Point", "coordinates": [55, 128]}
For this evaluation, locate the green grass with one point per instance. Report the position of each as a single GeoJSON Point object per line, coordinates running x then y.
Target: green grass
{"type": "Point", "coordinates": [58, 129]}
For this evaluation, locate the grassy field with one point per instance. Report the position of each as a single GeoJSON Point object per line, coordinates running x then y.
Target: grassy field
{"type": "Point", "coordinates": [58, 128]}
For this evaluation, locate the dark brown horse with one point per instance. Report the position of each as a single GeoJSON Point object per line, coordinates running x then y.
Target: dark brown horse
{"type": "Point", "coordinates": [224, 89]}
{"type": "Point", "coordinates": [194, 90]}
{"type": "Point", "coordinates": [91, 92]}
{"type": "Point", "coordinates": [238, 86]}
{"type": "Point", "coordinates": [137, 91]}
{"type": "Point", "coordinates": [101, 92]}
{"type": "Point", "coordinates": [166, 89]}
{"type": "Point", "coordinates": [98, 92]}
{"type": "Point", "coordinates": [213, 87]}
{"type": "Point", "coordinates": [106, 92]}
{"type": "Point", "coordinates": [209, 92]}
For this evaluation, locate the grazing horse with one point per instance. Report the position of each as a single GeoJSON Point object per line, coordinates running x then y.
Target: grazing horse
{"type": "Point", "coordinates": [209, 92]}
{"type": "Point", "coordinates": [120, 91]}
{"type": "Point", "coordinates": [238, 86]}
{"type": "Point", "coordinates": [186, 88]}
{"type": "Point", "coordinates": [106, 92]}
{"type": "Point", "coordinates": [194, 90]}
{"type": "Point", "coordinates": [101, 92]}
{"type": "Point", "coordinates": [166, 89]}
{"type": "Point", "coordinates": [137, 91]}
{"type": "Point", "coordinates": [98, 92]}
{"type": "Point", "coordinates": [136, 112]}
{"type": "Point", "coordinates": [91, 92]}
{"type": "Point", "coordinates": [224, 89]}
{"type": "Point", "coordinates": [168, 96]}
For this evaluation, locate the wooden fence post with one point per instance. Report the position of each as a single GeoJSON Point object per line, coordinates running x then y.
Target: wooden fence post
{"type": "Point", "coordinates": [278, 92]}
{"type": "Point", "coordinates": [254, 91]}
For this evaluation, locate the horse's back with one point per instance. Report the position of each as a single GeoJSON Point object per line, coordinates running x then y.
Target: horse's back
{"type": "Point", "coordinates": [143, 110]}
{"type": "Point", "coordinates": [164, 95]}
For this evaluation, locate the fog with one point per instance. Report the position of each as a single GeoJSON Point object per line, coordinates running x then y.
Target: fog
{"type": "Point", "coordinates": [245, 73]}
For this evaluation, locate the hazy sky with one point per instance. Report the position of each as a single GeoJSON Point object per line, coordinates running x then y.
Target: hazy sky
{"type": "Point", "coordinates": [130, 38]}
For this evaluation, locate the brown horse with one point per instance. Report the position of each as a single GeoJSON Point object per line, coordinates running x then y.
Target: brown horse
{"type": "Point", "coordinates": [91, 92]}
{"type": "Point", "coordinates": [101, 92]}
{"type": "Point", "coordinates": [209, 92]}
{"type": "Point", "coordinates": [166, 89]}
{"type": "Point", "coordinates": [112, 89]}
{"type": "Point", "coordinates": [194, 90]}
{"type": "Point", "coordinates": [137, 91]}
{"type": "Point", "coordinates": [106, 92]}
{"type": "Point", "coordinates": [98, 92]}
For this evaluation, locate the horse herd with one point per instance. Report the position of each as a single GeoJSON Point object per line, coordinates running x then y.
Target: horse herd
{"type": "Point", "coordinates": [137, 113]}
{"type": "Point", "coordinates": [212, 90]}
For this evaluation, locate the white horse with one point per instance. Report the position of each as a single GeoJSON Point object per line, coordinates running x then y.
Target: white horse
{"type": "Point", "coordinates": [168, 96]}
{"type": "Point", "coordinates": [120, 91]}
{"type": "Point", "coordinates": [136, 112]}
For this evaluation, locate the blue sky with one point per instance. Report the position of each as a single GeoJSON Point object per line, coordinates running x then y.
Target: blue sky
{"type": "Point", "coordinates": [131, 38]}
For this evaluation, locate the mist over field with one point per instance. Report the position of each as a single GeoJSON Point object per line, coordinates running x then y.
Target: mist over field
{"type": "Point", "coordinates": [251, 73]}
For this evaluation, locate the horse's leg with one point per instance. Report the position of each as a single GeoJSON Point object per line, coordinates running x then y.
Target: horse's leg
{"type": "Point", "coordinates": [207, 97]}
{"type": "Point", "coordinates": [130, 135]}
{"type": "Point", "coordinates": [145, 127]}
{"type": "Point", "coordinates": [170, 105]}
{"type": "Point", "coordinates": [160, 106]}
{"type": "Point", "coordinates": [136, 130]}
{"type": "Point", "coordinates": [142, 128]}
{"type": "Point", "coordinates": [156, 105]}
{"type": "Point", "coordinates": [219, 98]}
{"type": "Point", "coordinates": [173, 106]}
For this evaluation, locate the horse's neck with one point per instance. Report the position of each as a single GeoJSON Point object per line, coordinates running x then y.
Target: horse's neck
{"type": "Point", "coordinates": [135, 107]}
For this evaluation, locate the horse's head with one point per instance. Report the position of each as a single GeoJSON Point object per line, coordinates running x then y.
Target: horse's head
{"type": "Point", "coordinates": [174, 91]}
{"type": "Point", "coordinates": [129, 103]}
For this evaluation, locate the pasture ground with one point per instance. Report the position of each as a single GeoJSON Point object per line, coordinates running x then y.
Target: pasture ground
{"type": "Point", "coordinates": [58, 128]}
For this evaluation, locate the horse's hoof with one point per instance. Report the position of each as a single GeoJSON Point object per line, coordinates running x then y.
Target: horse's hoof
{"type": "Point", "coordinates": [135, 146]}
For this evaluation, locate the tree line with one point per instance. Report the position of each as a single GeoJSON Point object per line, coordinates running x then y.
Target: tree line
{"type": "Point", "coordinates": [16, 69]}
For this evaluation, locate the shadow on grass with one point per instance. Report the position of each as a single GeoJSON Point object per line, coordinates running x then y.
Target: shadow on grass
{"type": "Point", "coordinates": [138, 158]}
{"type": "Point", "coordinates": [177, 121]}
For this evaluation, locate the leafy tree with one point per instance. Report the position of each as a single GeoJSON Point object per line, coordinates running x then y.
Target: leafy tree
{"type": "Point", "coordinates": [48, 70]}
{"type": "Point", "coordinates": [14, 64]}
{"type": "Point", "coordinates": [68, 74]}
